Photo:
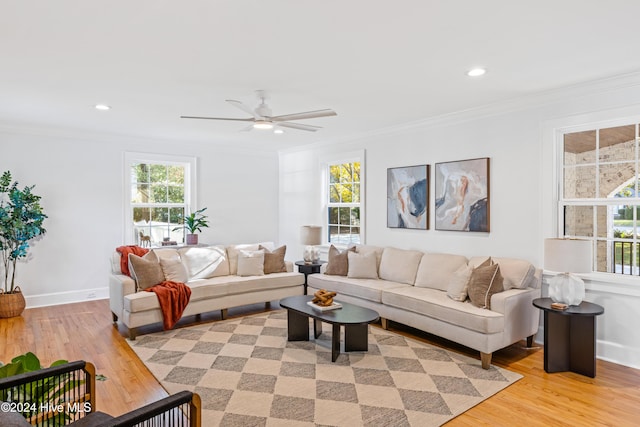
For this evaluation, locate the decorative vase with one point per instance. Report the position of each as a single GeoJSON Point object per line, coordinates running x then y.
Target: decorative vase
{"type": "Point", "coordinates": [11, 304]}
{"type": "Point", "coordinates": [566, 288]}
{"type": "Point", "coordinates": [192, 239]}
{"type": "Point", "coordinates": [311, 255]}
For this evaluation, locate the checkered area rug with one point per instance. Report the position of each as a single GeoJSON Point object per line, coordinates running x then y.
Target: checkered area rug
{"type": "Point", "coordinates": [248, 374]}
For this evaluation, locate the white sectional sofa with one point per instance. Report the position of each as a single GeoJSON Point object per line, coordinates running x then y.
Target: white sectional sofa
{"type": "Point", "coordinates": [411, 287]}
{"type": "Point", "coordinates": [212, 274]}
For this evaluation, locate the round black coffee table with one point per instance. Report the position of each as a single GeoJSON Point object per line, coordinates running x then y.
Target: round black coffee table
{"type": "Point", "coordinates": [570, 337]}
{"type": "Point", "coordinates": [354, 318]}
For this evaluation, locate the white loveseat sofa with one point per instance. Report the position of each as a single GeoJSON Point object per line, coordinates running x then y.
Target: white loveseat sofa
{"type": "Point", "coordinates": [211, 272]}
{"type": "Point", "coordinates": [411, 287]}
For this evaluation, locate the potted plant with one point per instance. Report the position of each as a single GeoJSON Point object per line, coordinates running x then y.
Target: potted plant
{"type": "Point", "coordinates": [21, 220]}
{"type": "Point", "coordinates": [193, 222]}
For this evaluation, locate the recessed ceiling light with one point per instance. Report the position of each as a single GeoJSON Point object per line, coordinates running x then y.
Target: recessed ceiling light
{"type": "Point", "coordinates": [476, 72]}
{"type": "Point", "coordinates": [102, 107]}
{"type": "Point", "coordinates": [278, 131]}
{"type": "Point", "coordinates": [262, 124]}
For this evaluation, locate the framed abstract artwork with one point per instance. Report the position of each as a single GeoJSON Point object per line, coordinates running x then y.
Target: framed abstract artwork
{"type": "Point", "coordinates": [462, 195]}
{"type": "Point", "coordinates": [408, 197]}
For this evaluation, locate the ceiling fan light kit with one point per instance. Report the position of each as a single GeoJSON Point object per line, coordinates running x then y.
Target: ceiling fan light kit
{"type": "Point", "coordinates": [262, 124]}
{"type": "Point", "coordinates": [262, 118]}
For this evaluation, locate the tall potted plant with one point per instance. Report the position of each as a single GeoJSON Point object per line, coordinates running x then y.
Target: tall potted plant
{"type": "Point", "coordinates": [21, 219]}
{"type": "Point", "coordinates": [193, 222]}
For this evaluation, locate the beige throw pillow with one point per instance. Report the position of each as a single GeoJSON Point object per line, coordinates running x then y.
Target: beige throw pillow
{"type": "Point", "coordinates": [250, 263]}
{"type": "Point", "coordinates": [459, 283]}
{"type": "Point", "coordinates": [485, 281]}
{"type": "Point", "coordinates": [174, 270]}
{"type": "Point", "coordinates": [146, 270]}
{"type": "Point", "coordinates": [338, 261]}
{"type": "Point", "coordinates": [362, 266]}
{"type": "Point", "coordinates": [274, 260]}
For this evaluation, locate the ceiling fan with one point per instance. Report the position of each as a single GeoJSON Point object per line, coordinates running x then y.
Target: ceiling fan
{"type": "Point", "coordinates": [263, 118]}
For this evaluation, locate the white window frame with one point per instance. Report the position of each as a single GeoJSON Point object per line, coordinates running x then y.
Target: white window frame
{"type": "Point", "coordinates": [131, 158]}
{"type": "Point", "coordinates": [348, 157]}
{"type": "Point", "coordinates": [552, 180]}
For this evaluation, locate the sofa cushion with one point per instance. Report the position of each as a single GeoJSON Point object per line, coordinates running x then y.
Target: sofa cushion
{"type": "Point", "coordinates": [436, 270]}
{"type": "Point", "coordinates": [216, 287]}
{"type": "Point", "coordinates": [368, 289]}
{"type": "Point", "coordinates": [485, 281]}
{"type": "Point", "coordinates": [274, 260]}
{"type": "Point", "coordinates": [338, 264]}
{"type": "Point", "coordinates": [251, 263]}
{"type": "Point", "coordinates": [146, 270]}
{"type": "Point", "coordinates": [457, 288]}
{"type": "Point", "coordinates": [204, 262]}
{"type": "Point", "coordinates": [399, 265]}
{"type": "Point", "coordinates": [436, 304]}
{"type": "Point", "coordinates": [362, 266]}
{"type": "Point", "coordinates": [377, 250]}
{"type": "Point", "coordinates": [517, 273]}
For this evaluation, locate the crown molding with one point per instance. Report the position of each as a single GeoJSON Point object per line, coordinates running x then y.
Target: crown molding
{"type": "Point", "coordinates": [193, 147]}
{"type": "Point", "coordinates": [535, 100]}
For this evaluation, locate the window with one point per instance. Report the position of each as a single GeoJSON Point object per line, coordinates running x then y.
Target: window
{"type": "Point", "coordinates": [599, 197]}
{"type": "Point", "coordinates": [158, 195]}
{"type": "Point", "coordinates": [344, 202]}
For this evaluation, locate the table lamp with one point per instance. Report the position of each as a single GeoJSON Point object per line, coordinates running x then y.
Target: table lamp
{"type": "Point", "coordinates": [567, 256]}
{"type": "Point", "coordinates": [311, 235]}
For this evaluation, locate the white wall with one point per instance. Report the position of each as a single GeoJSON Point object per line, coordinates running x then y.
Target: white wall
{"type": "Point", "coordinates": [522, 208]}
{"type": "Point", "coordinates": [80, 180]}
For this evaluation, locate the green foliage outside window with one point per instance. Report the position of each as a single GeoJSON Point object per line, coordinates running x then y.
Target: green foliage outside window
{"type": "Point", "coordinates": [344, 199]}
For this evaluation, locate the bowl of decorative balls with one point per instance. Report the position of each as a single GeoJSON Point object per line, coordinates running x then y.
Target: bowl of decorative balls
{"type": "Point", "coordinates": [323, 301]}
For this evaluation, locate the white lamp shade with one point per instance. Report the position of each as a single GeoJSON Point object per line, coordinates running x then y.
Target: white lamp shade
{"type": "Point", "coordinates": [311, 235]}
{"type": "Point", "coordinates": [568, 255]}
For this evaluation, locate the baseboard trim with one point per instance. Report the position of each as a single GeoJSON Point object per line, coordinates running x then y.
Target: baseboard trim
{"type": "Point", "coordinates": [44, 300]}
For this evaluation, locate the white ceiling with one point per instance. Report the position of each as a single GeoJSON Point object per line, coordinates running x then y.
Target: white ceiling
{"type": "Point", "coordinates": [377, 63]}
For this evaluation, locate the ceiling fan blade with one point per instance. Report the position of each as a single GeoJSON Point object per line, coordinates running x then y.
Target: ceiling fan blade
{"type": "Point", "coordinates": [243, 107]}
{"type": "Point", "coordinates": [298, 126]}
{"type": "Point", "coordinates": [247, 129]}
{"type": "Point", "coordinates": [305, 115]}
{"type": "Point", "coordinates": [216, 118]}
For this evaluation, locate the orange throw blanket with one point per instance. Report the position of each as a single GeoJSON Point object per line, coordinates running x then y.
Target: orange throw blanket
{"type": "Point", "coordinates": [173, 298]}
{"type": "Point", "coordinates": [124, 256]}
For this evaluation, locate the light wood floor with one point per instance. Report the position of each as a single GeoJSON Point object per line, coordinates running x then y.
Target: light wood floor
{"type": "Point", "coordinates": [84, 331]}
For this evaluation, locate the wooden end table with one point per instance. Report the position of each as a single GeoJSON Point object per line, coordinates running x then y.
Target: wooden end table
{"type": "Point", "coordinates": [307, 269]}
{"type": "Point", "coordinates": [570, 337]}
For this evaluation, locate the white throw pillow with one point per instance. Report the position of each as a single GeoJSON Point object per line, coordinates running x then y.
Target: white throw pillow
{"type": "Point", "coordinates": [459, 283]}
{"type": "Point", "coordinates": [362, 266]}
{"type": "Point", "coordinates": [250, 263]}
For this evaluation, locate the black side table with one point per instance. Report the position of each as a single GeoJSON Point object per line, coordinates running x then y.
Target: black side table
{"type": "Point", "coordinates": [570, 337]}
{"type": "Point", "coordinates": [308, 269]}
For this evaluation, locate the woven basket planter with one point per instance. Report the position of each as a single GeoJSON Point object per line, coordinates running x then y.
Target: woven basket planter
{"type": "Point", "coordinates": [12, 305]}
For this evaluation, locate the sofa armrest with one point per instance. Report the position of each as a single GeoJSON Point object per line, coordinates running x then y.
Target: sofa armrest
{"type": "Point", "coordinates": [119, 286]}
{"type": "Point", "coordinates": [521, 318]}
